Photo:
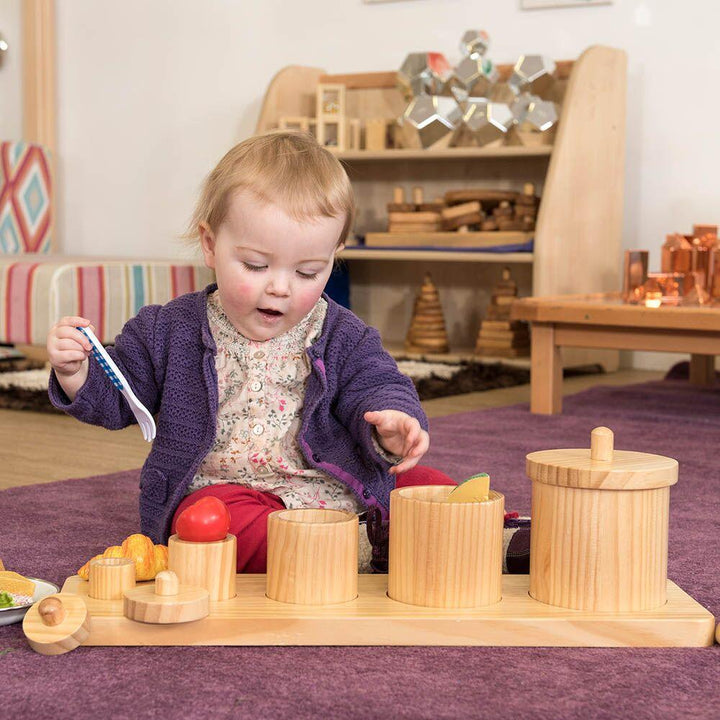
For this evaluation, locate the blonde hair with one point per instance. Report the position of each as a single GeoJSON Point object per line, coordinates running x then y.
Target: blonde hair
{"type": "Point", "coordinates": [286, 168]}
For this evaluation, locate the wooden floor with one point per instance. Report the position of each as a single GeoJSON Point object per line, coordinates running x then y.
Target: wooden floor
{"type": "Point", "coordinates": [38, 447]}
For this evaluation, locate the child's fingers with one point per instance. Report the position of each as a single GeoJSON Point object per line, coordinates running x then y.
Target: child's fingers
{"type": "Point", "coordinates": [74, 321]}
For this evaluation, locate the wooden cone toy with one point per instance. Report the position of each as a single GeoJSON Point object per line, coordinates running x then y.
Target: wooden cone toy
{"type": "Point", "coordinates": [427, 333]}
{"type": "Point", "coordinates": [498, 335]}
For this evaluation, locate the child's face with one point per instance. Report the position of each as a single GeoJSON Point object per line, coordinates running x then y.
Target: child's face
{"type": "Point", "coordinates": [270, 268]}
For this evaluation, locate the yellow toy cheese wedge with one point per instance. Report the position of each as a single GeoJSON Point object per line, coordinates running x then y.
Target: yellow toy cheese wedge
{"type": "Point", "coordinates": [474, 489]}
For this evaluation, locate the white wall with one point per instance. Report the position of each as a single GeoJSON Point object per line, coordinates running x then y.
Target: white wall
{"type": "Point", "coordinates": [152, 92]}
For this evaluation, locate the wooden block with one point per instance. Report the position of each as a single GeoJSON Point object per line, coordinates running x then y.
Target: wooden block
{"type": "Point", "coordinates": [353, 133]}
{"type": "Point", "coordinates": [398, 195]}
{"type": "Point", "coordinates": [312, 556]}
{"type": "Point", "coordinates": [417, 195]}
{"type": "Point", "coordinates": [252, 619]}
{"type": "Point", "coordinates": [503, 210]}
{"type": "Point", "coordinates": [453, 197]}
{"type": "Point", "coordinates": [435, 206]}
{"type": "Point", "coordinates": [166, 601]}
{"type": "Point", "coordinates": [462, 221]}
{"type": "Point", "coordinates": [504, 299]}
{"type": "Point", "coordinates": [57, 624]}
{"type": "Point", "coordinates": [330, 116]}
{"type": "Point", "coordinates": [503, 324]}
{"type": "Point", "coordinates": [414, 217]}
{"type": "Point", "coordinates": [456, 211]}
{"type": "Point", "coordinates": [413, 228]}
{"type": "Point", "coordinates": [400, 207]}
{"type": "Point", "coordinates": [488, 225]}
{"type": "Point", "coordinates": [376, 134]}
{"type": "Point", "coordinates": [509, 225]}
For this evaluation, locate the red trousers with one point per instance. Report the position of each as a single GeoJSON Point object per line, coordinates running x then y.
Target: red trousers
{"type": "Point", "coordinates": [250, 508]}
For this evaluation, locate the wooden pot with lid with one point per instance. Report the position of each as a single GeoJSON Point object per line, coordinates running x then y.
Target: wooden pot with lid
{"type": "Point", "coordinates": [599, 537]}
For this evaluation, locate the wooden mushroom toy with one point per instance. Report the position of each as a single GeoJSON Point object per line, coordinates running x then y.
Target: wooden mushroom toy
{"type": "Point", "coordinates": [166, 601]}
{"type": "Point", "coordinates": [599, 538]}
{"type": "Point", "coordinates": [57, 624]}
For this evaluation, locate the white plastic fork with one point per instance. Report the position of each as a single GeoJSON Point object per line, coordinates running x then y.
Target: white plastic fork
{"type": "Point", "coordinates": [141, 413]}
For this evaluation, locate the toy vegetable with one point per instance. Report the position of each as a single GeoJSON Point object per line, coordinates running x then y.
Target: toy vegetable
{"type": "Point", "coordinates": [207, 520]}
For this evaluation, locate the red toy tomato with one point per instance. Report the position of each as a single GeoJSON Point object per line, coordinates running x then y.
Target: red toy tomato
{"type": "Point", "coordinates": [207, 520]}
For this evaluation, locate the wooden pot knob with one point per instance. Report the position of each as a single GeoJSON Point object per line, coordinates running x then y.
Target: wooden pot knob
{"type": "Point", "coordinates": [601, 444]}
{"type": "Point", "coordinates": [57, 624]}
{"type": "Point", "coordinates": [51, 611]}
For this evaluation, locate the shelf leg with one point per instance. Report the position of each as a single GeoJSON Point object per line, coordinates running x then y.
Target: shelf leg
{"type": "Point", "coordinates": [545, 371]}
{"type": "Point", "coordinates": [702, 369]}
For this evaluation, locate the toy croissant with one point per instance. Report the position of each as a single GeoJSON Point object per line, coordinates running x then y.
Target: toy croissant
{"type": "Point", "coordinates": [149, 559]}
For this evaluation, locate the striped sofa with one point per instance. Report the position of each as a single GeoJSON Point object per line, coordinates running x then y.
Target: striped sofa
{"type": "Point", "coordinates": [37, 287]}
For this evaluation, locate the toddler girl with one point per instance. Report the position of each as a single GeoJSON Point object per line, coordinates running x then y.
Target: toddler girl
{"type": "Point", "coordinates": [267, 394]}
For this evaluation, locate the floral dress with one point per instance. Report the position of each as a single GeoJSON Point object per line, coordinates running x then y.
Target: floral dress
{"type": "Point", "coordinates": [261, 388]}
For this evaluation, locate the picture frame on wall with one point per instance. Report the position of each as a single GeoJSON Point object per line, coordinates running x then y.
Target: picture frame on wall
{"type": "Point", "coordinates": [544, 4]}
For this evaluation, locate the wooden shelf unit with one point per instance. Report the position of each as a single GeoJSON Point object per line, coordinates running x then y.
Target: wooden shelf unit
{"type": "Point", "coordinates": [577, 246]}
{"type": "Point", "coordinates": [440, 255]}
{"type": "Point", "coordinates": [456, 153]}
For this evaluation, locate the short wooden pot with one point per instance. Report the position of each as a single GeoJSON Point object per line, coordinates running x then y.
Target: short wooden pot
{"type": "Point", "coordinates": [109, 578]}
{"type": "Point", "coordinates": [312, 556]}
{"type": "Point", "coordinates": [442, 554]}
{"type": "Point", "coordinates": [209, 565]}
{"type": "Point", "coordinates": [599, 537]}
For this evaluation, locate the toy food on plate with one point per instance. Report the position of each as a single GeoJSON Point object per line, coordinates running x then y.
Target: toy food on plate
{"type": "Point", "coordinates": [15, 590]}
{"type": "Point", "coordinates": [149, 559]}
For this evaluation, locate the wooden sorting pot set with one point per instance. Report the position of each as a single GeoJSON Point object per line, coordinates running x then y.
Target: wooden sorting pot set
{"type": "Point", "coordinates": [599, 542]}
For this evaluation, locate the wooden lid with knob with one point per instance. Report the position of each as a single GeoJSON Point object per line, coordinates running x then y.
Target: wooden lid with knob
{"type": "Point", "coordinates": [57, 624]}
{"type": "Point", "coordinates": [601, 467]}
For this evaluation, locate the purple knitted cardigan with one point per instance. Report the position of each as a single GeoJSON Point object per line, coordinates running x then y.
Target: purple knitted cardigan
{"type": "Point", "coordinates": [167, 353]}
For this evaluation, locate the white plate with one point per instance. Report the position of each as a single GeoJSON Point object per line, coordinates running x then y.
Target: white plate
{"type": "Point", "coordinates": [11, 615]}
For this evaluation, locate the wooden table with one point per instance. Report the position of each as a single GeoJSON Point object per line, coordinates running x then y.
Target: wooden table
{"type": "Point", "coordinates": [604, 321]}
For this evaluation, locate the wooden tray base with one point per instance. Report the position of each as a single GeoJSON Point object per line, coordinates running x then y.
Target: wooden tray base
{"type": "Point", "coordinates": [372, 618]}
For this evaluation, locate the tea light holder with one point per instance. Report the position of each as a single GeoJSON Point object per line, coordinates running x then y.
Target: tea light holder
{"type": "Point", "coordinates": [599, 538]}
{"type": "Point", "coordinates": [312, 556]}
{"type": "Point", "coordinates": [444, 554]}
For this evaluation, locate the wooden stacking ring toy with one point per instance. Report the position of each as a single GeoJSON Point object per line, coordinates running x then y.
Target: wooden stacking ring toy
{"type": "Point", "coordinates": [444, 554]}
{"type": "Point", "coordinates": [57, 624]}
{"type": "Point", "coordinates": [599, 537]}
{"type": "Point", "coordinates": [110, 577]}
{"type": "Point", "coordinates": [312, 556]}
{"type": "Point", "coordinates": [211, 565]}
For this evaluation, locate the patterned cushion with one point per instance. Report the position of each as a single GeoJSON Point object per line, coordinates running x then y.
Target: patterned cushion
{"type": "Point", "coordinates": [25, 198]}
{"type": "Point", "coordinates": [37, 290]}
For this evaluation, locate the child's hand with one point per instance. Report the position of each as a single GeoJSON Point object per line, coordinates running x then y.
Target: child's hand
{"type": "Point", "coordinates": [400, 434]}
{"type": "Point", "coordinates": [67, 347]}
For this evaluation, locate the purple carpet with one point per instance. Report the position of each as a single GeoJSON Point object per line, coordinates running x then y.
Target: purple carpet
{"type": "Point", "coordinates": [48, 531]}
